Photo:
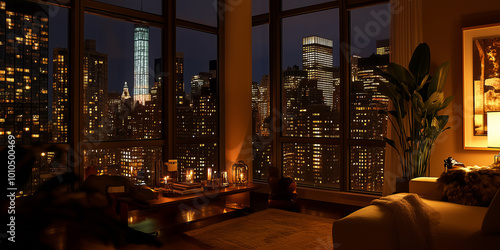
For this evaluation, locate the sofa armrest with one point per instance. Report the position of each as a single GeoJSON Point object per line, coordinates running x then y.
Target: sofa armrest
{"type": "Point", "coordinates": [426, 187]}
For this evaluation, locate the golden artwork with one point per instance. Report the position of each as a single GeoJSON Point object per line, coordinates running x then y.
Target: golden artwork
{"type": "Point", "coordinates": [481, 81]}
{"type": "Point", "coordinates": [486, 75]}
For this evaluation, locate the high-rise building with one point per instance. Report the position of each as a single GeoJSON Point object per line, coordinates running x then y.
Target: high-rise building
{"type": "Point", "coordinates": [24, 49]}
{"type": "Point", "coordinates": [95, 92]}
{"type": "Point", "coordinates": [60, 93]}
{"type": "Point", "coordinates": [200, 117]}
{"type": "Point", "coordinates": [180, 94]}
{"type": "Point", "coordinates": [264, 105]}
{"type": "Point", "coordinates": [317, 60]}
{"type": "Point", "coordinates": [383, 47]}
{"type": "Point", "coordinates": [292, 77]}
{"type": "Point", "coordinates": [367, 163]}
{"type": "Point", "coordinates": [197, 157]}
{"type": "Point", "coordinates": [141, 64]}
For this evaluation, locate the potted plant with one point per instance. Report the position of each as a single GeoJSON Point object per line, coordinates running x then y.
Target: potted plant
{"type": "Point", "coordinates": [416, 99]}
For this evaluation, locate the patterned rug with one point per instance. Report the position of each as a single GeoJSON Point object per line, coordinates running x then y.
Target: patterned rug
{"type": "Point", "coordinates": [268, 229]}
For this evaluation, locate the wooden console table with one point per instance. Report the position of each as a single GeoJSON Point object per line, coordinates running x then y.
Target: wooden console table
{"type": "Point", "coordinates": [127, 204]}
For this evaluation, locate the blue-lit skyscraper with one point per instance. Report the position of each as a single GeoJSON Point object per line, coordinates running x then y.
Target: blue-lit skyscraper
{"type": "Point", "coordinates": [141, 65]}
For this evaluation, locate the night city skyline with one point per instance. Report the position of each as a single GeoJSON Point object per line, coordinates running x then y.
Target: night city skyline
{"type": "Point", "coordinates": [120, 58]}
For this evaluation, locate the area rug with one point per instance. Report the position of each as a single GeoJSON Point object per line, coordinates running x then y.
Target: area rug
{"type": "Point", "coordinates": [268, 229]}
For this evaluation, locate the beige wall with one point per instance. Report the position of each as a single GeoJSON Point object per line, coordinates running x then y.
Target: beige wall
{"type": "Point", "coordinates": [442, 26]}
{"type": "Point", "coordinates": [238, 82]}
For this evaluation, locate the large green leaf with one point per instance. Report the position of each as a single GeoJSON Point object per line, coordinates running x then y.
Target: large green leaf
{"type": "Point", "coordinates": [403, 77]}
{"type": "Point", "coordinates": [389, 90]}
{"type": "Point", "coordinates": [391, 143]}
{"type": "Point", "coordinates": [423, 82]}
{"type": "Point", "coordinates": [442, 121]}
{"type": "Point", "coordinates": [434, 102]}
{"type": "Point", "coordinates": [418, 101]}
{"type": "Point", "coordinates": [446, 102]}
{"type": "Point", "coordinates": [420, 62]}
{"type": "Point", "coordinates": [382, 73]}
{"type": "Point", "coordinates": [439, 79]}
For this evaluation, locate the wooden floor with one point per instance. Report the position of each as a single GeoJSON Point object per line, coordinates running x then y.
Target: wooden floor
{"type": "Point", "coordinates": [170, 225]}
{"type": "Point", "coordinates": [172, 237]}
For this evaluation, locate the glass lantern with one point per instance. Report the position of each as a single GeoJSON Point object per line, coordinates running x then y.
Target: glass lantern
{"type": "Point", "coordinates": [240, 174]}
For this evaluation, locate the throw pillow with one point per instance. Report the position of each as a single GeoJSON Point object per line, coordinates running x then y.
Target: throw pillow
{"type": "Point", "coordinates": [474, 186]}
{"type": "Point", "coordinates": [491, 221]}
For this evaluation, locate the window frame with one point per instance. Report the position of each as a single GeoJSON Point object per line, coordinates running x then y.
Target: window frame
{"type": "Point", "coordinates": [274, 19]}
{"type": "Point", "coordinates": [167, 22]}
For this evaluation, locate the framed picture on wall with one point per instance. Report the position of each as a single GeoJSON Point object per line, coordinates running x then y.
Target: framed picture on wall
{"type": "Point", "coordinates": [481, 82]}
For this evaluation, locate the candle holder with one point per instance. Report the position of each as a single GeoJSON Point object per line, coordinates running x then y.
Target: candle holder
{"type": "Point", "coordinates": [209, 175]}
{"type": "Point", "coordinates": [189, 176]}
{"type": "Point", "coordinates": [240, 174]}
{"type": "Point", "coordinates": [224, 179]}
{"type": "Point", "coordinates": [171, 170]}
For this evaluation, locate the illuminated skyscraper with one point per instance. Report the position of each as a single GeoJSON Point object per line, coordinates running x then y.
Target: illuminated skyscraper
{"type": "Point", "coordinates": [383, 47]}
{"type": "Point", "coordinates": [24, 50]}
{"type": "Point", "coordinates": [264, 105]}
{"type": "Point", "coordinates": [95, 91]}
{"type": "Point", "coordinates": [60, 103]}
{"type": "Point", "coordinates": [141, 64]}
{"type": "Point", "coordinates": [180, 94]}
{"type": "Point", "coordinates": [317, 60]}
{"type": "Point", "coordinates": [367, 163]}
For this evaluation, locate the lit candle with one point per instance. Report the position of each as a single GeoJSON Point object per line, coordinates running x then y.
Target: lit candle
{"type": "Point", "coordinates": [241, 178]}
{"type": "Point", "coordinates": [209, 174]}
{"type": "Point", "coordinates": [165, 180]}
{"type": "Point", "coordinates": [224, 177]}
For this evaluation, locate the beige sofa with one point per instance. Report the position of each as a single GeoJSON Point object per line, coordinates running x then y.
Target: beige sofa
{"type": "Point", "coordinates": [459, 226]}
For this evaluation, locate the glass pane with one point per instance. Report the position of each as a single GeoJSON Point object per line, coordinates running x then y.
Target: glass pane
{"type": "Point", "coordinates": [312, 164]}
{"type": "Point", "coordinates": [369, 50]}
{"type": "Point", "coordinates": [292, 4]}
{"type": "Point", "coordinates": [367, 168]}
{"type": "Point", "coordinates": [141, 165]}
{"type": "Point", "coordinates": [151, 6]}
{"type": "Point", "coordinates": [197, 157]}
{"type": "Point", "coordinates": [33, 76]}
{"type": "Point", "coordinates": [196, 84]}
{"type": "Point", "coordinates": [200, 11]}
{"type": "Point", "coordinates": [122, 96]}
{"type": "Point", "coordinates": [310, 79]}
{"type": "Point", "coordinates": [260, 7]}
{"type": "Point", "coordinates": [47, 165]}
{"type": "Point", "coordinates": [261, 103]}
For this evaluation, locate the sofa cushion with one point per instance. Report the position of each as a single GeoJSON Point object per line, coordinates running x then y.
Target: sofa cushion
{"type": "Point", "coordinates": [474, 186]}
{"type": "Point", "coordinates": [374, 223]}
{"type": "Point", "coordinates": [491, 222]}
{"type": "Point", "coordinates": [459, 227]}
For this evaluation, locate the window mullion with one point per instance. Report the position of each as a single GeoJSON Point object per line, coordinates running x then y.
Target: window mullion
{"type": "Point", "coordinates": [76, 90]}
{"type": "Point", "coordinates": [275, 81]}
{"type": "Point", "coordinates": [344, 97]}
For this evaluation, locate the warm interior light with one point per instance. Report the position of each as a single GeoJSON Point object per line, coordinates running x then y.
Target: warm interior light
{"type": "Point", "coordinates": [494, 134]}
{"type": "Point", "coordinates": [494, 129]}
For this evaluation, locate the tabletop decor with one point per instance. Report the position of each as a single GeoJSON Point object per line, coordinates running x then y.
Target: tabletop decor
{"type": "Point", "coordinates": [240, 173]}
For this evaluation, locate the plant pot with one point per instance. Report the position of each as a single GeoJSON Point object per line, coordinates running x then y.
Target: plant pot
{"type": "Point", "coordinates": [402, 185]}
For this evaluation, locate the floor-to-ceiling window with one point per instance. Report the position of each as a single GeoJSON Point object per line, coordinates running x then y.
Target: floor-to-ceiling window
{"type": "Point", "coordinates": [315, 100]}
{"type": "Point", "coordinates": [197, 88]}
{"type": "Point", "coordinates": [94, 80]}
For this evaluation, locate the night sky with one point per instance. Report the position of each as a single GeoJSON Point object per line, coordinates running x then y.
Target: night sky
{"type": "Point", "coordinates": [115, 37]}
{"type": "Point", "coordinates": [323, 24]}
